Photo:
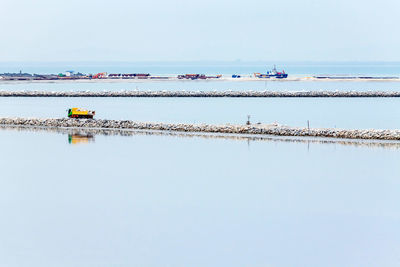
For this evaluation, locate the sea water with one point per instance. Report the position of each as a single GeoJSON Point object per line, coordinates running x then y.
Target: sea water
{"type": "Point", "coordinates": [201, 85]}
{"type": "Point", "coordinates": [160, 200]}
{"type": "Point", "coordinates": [349, 113]}
{"type": "Point", "coordinates": [207, 67]}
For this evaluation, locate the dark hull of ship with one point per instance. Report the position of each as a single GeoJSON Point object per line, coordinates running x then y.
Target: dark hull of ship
{"type": "Point", "coordinates": [277, 76]}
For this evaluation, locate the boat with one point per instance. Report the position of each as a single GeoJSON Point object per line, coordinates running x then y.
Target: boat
{"type": "Point", "coordinates": [272, 74]}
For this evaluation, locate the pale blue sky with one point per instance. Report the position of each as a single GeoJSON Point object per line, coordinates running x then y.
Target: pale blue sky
{"type": "Point", "coordinates": [178, 30]}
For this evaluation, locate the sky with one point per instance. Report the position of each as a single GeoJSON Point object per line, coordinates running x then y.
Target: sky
{"type": "Point", "coordinates": [186, 30]}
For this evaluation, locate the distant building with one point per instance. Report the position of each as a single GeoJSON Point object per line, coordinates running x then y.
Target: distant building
{"type": "Point", "coordinates": [69, 73]}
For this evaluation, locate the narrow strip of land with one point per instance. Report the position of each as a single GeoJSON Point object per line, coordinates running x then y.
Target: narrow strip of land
{"type": "Point", "coordinates": [265, 94]}
{"type": "Point", "coordinates": [262, 129]}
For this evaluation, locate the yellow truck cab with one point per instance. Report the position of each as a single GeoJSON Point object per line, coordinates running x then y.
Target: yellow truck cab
{"type": "Point", "coordinates": [80, 113]}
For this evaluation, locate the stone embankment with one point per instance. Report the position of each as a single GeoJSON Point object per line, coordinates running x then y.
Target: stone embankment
{"type": "Point", "coordinates": [258, 129]}
{"type": "Point", "coordinates": [92, 132]}
{"type": "Point", "coordinates": [199, 94]}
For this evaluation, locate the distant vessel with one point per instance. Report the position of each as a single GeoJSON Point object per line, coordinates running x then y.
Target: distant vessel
{"type": "Point", "coordinates": [272, 74]}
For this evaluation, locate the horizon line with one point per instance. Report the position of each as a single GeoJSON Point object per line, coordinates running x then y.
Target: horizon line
{"type": "Point", "coordinates": [200, 61]}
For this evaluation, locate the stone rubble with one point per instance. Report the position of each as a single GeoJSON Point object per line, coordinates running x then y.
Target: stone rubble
{"type": "Point", "coordinates": [166, 93]}
{"type": "Point", "coordinates": [256, 129]}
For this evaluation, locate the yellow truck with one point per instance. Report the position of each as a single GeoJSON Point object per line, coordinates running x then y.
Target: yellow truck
{"type": "Point", "coordinates": [80, 113]}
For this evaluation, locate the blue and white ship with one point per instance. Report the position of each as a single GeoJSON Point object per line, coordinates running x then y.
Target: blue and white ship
{"type": "Point", "coordinates": [272, 74]}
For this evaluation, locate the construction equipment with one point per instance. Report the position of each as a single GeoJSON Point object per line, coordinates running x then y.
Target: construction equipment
{"type": "Point", "coordinates": [80, 113]}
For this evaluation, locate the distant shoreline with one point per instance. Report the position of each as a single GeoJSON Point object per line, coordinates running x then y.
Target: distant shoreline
{"type": "Point", "coordinates": [223, 79]}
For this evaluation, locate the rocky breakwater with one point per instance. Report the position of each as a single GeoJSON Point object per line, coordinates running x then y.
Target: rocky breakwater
{"type": "Point", "coordinates": [200, 94]}
{"type": "Point", "coordinates": [258, 129]}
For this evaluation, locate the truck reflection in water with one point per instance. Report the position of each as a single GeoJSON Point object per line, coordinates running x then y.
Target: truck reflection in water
{"type": "Point", "coordinates": [80, 138]}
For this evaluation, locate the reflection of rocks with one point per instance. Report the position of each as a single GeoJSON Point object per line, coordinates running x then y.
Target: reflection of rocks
{"type": "Point", "coordinates": [199, 94]}
{"type": "Point", "coordinates": [226, 136]}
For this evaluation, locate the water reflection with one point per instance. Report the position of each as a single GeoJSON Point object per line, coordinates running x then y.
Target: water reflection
{"type": "Point", "coordinates": [86, 136]}
{"type": "Point", "coordinates": [80, 138]}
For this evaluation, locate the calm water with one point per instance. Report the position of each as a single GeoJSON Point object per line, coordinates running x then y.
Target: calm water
{"type": "Point", "coordinates": [159, 200]}
{"type": "Point", "coordinates": [238, 67]}
{"type": "Point", "coordinates": [205, 86]}
{"type": "Point", "coordinates": [362, 113]}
